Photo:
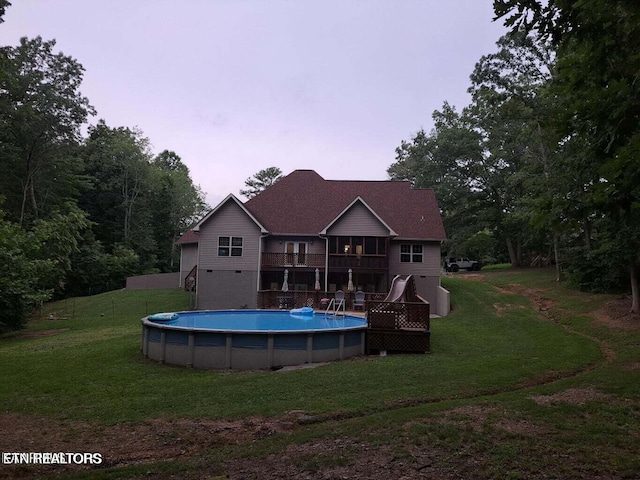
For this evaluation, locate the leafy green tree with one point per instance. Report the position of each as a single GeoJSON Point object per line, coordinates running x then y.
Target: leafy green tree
{"type": "Point", "coordinates": [119, 160]}
{"type": "Point", "coordinates": [444, 160]}
{"type": "Point", "coordinates": [476, 160]}
{"type": "Point", "coordinates": [42, 110]}
{"type": "Point", "coordinates": [505, 89]}
{"type": "Point", "coordinates": [596, 85]}
{"type": "Point", "coordinates": [34, 263]}
{"type": "Point", "coordinates": [175, 202]}
{"type": "Point", "coordinates": [260, 181]}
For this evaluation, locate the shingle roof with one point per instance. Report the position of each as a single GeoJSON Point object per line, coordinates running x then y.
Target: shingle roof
{"type": "Point", "coordinates": [188, 237]}
{"type": "Point", "coordinates": [304, 203]}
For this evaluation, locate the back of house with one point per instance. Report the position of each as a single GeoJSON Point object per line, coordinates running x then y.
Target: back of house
{"type": "Point", "coordinates": [307, 237]}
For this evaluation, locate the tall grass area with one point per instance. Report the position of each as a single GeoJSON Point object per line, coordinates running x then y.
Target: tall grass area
{"type": "Point", "coordinates": [92, 368]}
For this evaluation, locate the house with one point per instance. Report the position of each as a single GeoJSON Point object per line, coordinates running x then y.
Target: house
{"type": "Point", "coordinates": [330, 234]}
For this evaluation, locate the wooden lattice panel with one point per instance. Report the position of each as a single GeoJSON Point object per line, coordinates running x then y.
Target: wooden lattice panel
{"type": "Point", "coordinates": [398, 341]}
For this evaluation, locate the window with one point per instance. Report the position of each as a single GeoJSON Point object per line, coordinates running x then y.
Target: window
{"type": "Point", "coordinates": [296, 253]}
{"type": "Point", "coordinates": [357, 245]}
{"type": "Point", "coordinates": [411, 253]}
{"type": "Point", "coordinates": [229, 246]}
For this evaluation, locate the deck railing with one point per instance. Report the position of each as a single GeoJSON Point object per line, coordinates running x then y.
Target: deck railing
{"type": "Point", "coordinates": [304, 298]}
{"type": "Point", "coordinates": [317, 260]}
{"type": "Point", "coordinates": [362, 262]}
{"type": "Point", "coordinates": [399, 315]}
{"type": "Point", "coordinates": [293, 259]}
{"type": "Point", "coordinates": [398, 326]}
{"type": "Point", "coordinates": [188, 285]}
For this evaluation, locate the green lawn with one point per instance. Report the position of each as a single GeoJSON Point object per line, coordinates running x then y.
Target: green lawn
{"type": "Point", "coordinates": [495, 352]}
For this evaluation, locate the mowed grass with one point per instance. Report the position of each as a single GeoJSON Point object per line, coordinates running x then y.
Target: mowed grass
{"type": "Point", "coordinates": [515, 388]}
{"type": "Point", "coordinates": [93, 369]}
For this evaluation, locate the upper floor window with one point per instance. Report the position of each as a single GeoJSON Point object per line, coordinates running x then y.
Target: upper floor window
{"type": "Point", "coordinates": [411, 253]}
{"type": "Point", "coordinates": [357, 245]}
{"type": "Point", "coordinates": [229, 246]}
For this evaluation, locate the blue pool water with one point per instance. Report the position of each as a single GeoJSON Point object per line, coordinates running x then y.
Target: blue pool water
{"type": "Point", "coordinates": [260, 321]}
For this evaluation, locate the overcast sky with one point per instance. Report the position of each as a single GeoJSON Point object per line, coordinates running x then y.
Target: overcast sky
{"type": "Point", "coordinates": [236, 86]}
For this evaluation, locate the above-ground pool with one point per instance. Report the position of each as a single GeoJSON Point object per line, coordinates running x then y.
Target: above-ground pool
{"type": "Point", "coordinates": [251, 339]}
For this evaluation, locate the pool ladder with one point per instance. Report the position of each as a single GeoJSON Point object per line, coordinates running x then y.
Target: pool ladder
{"type": "Point", "coordinates": [336, 306]}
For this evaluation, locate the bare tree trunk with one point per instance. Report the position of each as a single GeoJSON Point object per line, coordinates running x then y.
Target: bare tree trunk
{"type": "Point", "coordinates": [557, 258]}
{"type": "Point", "coordinates": [174, 239]}
{"type": "Point", "coordinates": [587, 233]}
{"type": "Point", "coordinates": [24, 204]}
{"type": "Point", "coordinates": [635, 288]}
{"type": "Point", "coordinates": [512, 253]}
{"type": "Point", "coordinates": [34, 202]}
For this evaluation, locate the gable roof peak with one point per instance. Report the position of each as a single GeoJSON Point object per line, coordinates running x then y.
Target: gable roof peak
{"type": "Point", "coordinates": [229, 198]}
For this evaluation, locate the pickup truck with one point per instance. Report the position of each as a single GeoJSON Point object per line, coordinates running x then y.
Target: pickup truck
{"type": "Point", "coordinates": [453, 264]}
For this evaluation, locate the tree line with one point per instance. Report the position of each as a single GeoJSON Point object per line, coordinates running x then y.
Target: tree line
{"type": "Point", "coordinates": [78, 213]}
{"type": "Point", "coordinates": [545, 160]}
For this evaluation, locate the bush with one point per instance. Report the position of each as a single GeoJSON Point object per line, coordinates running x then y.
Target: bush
{"type": "Point", "coordinates": [595, 271]}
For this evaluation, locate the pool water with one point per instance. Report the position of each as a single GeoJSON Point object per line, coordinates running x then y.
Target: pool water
{"type": "Point", "coordinates": [263, 321]}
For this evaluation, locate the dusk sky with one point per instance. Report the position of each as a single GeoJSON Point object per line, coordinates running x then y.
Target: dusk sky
{"type": "Point", "coordinates": [236, 86]}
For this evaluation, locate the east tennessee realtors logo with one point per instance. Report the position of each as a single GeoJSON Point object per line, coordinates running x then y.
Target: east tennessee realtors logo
{"type": "Point", "coordinates": [51, 458]}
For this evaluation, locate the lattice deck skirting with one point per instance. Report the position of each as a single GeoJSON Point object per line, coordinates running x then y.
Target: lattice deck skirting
{"type": "Point", "coordinates": [395, 340]}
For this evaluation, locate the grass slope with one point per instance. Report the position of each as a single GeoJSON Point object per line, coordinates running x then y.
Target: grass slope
{"type": "Point", "coordinates": [513, 389]}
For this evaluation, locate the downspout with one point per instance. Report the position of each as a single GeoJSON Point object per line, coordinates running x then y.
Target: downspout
{"type": "Point", "coordinates": [326, 262]}
{"type": "Point", "coordinates": [197, 293]}
{"type": "Point", "coordinates": [259, 276]}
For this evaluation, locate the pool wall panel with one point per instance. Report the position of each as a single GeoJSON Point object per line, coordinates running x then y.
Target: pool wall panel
{"type": "Point", "coordinates": [247, 351]}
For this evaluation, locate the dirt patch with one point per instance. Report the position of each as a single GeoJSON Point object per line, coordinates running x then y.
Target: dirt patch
{"type": "Point", "coordinates": [573, 396]}
{"type": "Point", "coordinates": [129, 444]}
{"type": "Point", "coordinates": [470, 276]}
{"type": "Point", "coordinates": [536, 296]}
{"type": "Point", "coordinates": [521, 427]}
{"type": "Point", "coordinates": [501, 309]}
{"type": "Point", "coordinates": [42, 333]}
{"type": "Point", "coordinates": [616, 314]}
{"type": "Point", "coordinates": [347, 458]}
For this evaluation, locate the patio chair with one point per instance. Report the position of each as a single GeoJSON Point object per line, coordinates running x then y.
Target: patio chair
{"type": "Point", "coordinates": [358, 301]}
{"type": "Point", "coordinates": [339, 297]}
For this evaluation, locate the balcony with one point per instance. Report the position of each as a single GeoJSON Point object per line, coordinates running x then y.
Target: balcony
{"type": "Point", "coordinates": [362, 262]}
{"type": "Point", "coordinates": [314, 260]}
{"type": "Point", "coordinates": [317, 260]}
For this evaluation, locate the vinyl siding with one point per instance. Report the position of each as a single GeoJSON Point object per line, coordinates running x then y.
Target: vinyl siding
{"type": "Point", "coordinates": [430, 265]}
{"type": "Point", "coordinates": [358, 220]}
{"type": "Point", "coordinates": [229, 221]}
{"type": "Point", "coordinates": [188, 260]}
{"type": "Point", "coordinates": [229, 289]}
{"type": "Point", "coordinates": [426, 274]}
{"type": "Point", "coordinates": [277, 244]}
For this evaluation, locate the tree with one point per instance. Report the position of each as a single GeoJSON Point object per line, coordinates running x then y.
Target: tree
{"type": "Point", "coordinates": [443, 160]}
{"type": "Point", "coordinates": [475, 160]}
{"type": "Point", "coordinates": [34, 263]}
{"type": "Point", "coordinates": [506, 108]}
{"type": "Point", "coordinates": [3, 5]}
{"type": "Point", "coordinates": [596, 85]}
{"type": "Point", "coordinates": [119, 159]}
{"type": "Point", "coordinates": [175, 202]}
{"type": "Point", "coordinates": [41, 113]}
{"type": "Point", "coordinates": [260, 181]}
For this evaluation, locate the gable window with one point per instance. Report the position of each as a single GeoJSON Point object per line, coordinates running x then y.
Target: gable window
{"type": "Point", "coordinates": [410, 253]}
{"type": "Point", "coordinates": [229, 246]}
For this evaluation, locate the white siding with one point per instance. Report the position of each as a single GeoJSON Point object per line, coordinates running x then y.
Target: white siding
{"type": "Point", "coordinates": [358, 220]}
